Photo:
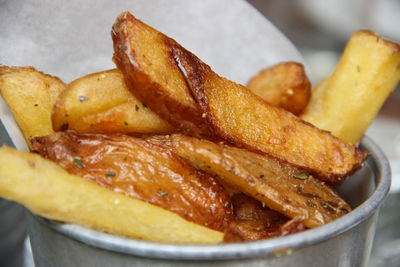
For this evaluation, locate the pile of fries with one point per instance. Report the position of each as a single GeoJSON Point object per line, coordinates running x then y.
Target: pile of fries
{"type": "Point", "coordinates": [164, 149]}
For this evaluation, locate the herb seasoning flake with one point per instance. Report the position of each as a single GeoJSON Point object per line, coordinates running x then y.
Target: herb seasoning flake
{"type": "Point", "coordinates": [78, 162]}
{"type": "Point", "coordinates": [110, 173]}
{"type": "Point", "coordinates": [162, 193]}
{"type": "Point", "coordinates": [303, 175]}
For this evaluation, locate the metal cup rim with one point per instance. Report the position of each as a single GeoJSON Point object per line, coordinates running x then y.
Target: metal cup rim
{"type": "Point", "coordinates": [377, 161]}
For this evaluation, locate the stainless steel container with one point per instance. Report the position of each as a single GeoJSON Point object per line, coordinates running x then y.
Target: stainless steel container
{"type": "Point", "coordinates": [12, 234]}
{"type": "Point", "coordinates": [344, 242]}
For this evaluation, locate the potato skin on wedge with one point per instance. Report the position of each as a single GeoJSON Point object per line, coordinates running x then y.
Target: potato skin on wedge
{"type": "Point", "coordinates": [141, 170]}
{"type": "Point", "coordinates": [279, 186]}
{"type": "Point", "coordinates": [284, 85]}
{"type": "Point", "coordinates": [252, 221]}
{"type": "Point", "coordinates": [100, 102]}
{"type": "Point", "coordinates": [48, 190]}
{"type": "Point", "coordinates": [245, 120]}
{"type": "Point", "coordinates": [236, 114]}
{"type": "Point", "coordinates": [151, 74]}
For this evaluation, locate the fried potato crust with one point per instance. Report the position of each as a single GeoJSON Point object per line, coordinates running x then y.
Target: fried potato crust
{"type": "Point", "coordinates": [48, 190]}
{"type": "Point", "coordinates": [252, 221]}
{"type": "Point", "coordinates": [140, 170]}
{"type": "Point", "coordinates": [235, 113]}
{"type": "Point", "coordinates": [100, 102]}
{"type": "Point", "coordinates": [150, 72]}
{"type": "Point", "coordinates": [31, 95]}
{"type": "Point", "coordinates": [245, 120]}
{"type": "Point", "coordinates": [281, 187]}
{"type": "Point", "coordinates": [284, 85]}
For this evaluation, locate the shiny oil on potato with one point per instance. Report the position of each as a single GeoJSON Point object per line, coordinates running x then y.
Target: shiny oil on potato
{"type": "Point", "coordinates": [100, 102]}
{"type": "Point", "coordinates": [275, 157]}
{"type": "Point", "coordinates": [144, 56]}
{"type": "Point", "coordinates": [279, 186]}
{"type": "Point", "coordinates": [231, 110]}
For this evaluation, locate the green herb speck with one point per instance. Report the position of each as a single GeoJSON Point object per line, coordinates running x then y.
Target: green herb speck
{"type": "Point", "coordinates": [110, 173]}
{"type": "Point", "coordinates": [301, 175]}
{"type": "Point", "coordinates": [125, 123]}
{"type": "Point", "coordinates": [78, 162]}
{"type": "Point", "coordinates": [166, 165]}
{"type": "Point", "coordinates": [162, 193]}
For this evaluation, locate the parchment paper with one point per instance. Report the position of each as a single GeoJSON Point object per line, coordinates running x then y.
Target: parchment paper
{"type": "Point", "coordinates": [72, 38]}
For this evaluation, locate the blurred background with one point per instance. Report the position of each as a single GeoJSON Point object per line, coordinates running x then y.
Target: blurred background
{"type": "Point", "coordinates": [320, 30]}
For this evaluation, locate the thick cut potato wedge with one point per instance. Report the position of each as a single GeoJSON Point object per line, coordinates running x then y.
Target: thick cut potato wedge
{"type": "Point", "coordinates": [235, 113]}
{"type": "Point", "coordinates": [245, 120]}
{"type": "Point", "coordinates": [284, 85]}
{"type": "Point", "coordinates": [100, 102]}
{"type": "Point", "coordinates": [48, 190]}
{"type": "Point", "coordinates": [280, 187]}
{"type": "Point", "coordinates": [151, 74]}
{"type": "Point", "coordinates": [140, 170]}
{"type": "Point", "coordinates": [348, 100]}
{"type": "Point", "coordinates": [30, 94]}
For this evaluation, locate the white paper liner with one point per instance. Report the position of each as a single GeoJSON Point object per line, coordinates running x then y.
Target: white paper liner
{"type": "Point", "coordinates": [69, 39]}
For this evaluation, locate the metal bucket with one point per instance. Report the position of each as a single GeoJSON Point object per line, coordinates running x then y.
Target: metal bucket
{"type": "Point", "coordinates": [12, 234]}
{"type": "Point", "coordinates": [344, 242]}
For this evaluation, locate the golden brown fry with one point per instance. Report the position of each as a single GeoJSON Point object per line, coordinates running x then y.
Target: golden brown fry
{"type": "Point", "coordinates": [235, 113]}
{"type": "Point", "coordinates": [48, 190]}
{"type": "Point", "coordinates": [348, 100]}
{"type": "Point", "coordinates": [245, 120]}
{"type": "Point", "coordinates": [252, 221]}
{"type": "Point", "coordinates": [144, 56]}
{"type": "Point", "coordinates": [100, 102]}
{"type": "Point", "coordinates": [281, 187]}
{"type": "Point", "coordinates": [284, 85]}
{"type": "Point", "coordinates": [30, 94]}
{"type": "Point", "coordinates": [140, 170]}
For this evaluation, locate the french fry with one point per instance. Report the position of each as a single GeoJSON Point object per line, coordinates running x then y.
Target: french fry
{"type": "Point", "coordinates": [240, 117]}
{"type": "Point", "coordinates": [100, 102]}
{"type": "Point", "coordinates": [280, 187]}
{"type": "Point", "coordinates": [347, 101]}
{"type": "Point", "coordinates": [48, 190]}
{"type": "Point", "coordinates": [142, 170]}
{"type": "Point", "coordinates": [30, 94]}
{"type": "Point", "coordinates": [144, 57]}
{"type": "Point", "coordinates": [235, 113]}
{"type": "Point", "coordinates": [284, 85]}
{"type": "Point", "coordinates": [253, 221]}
